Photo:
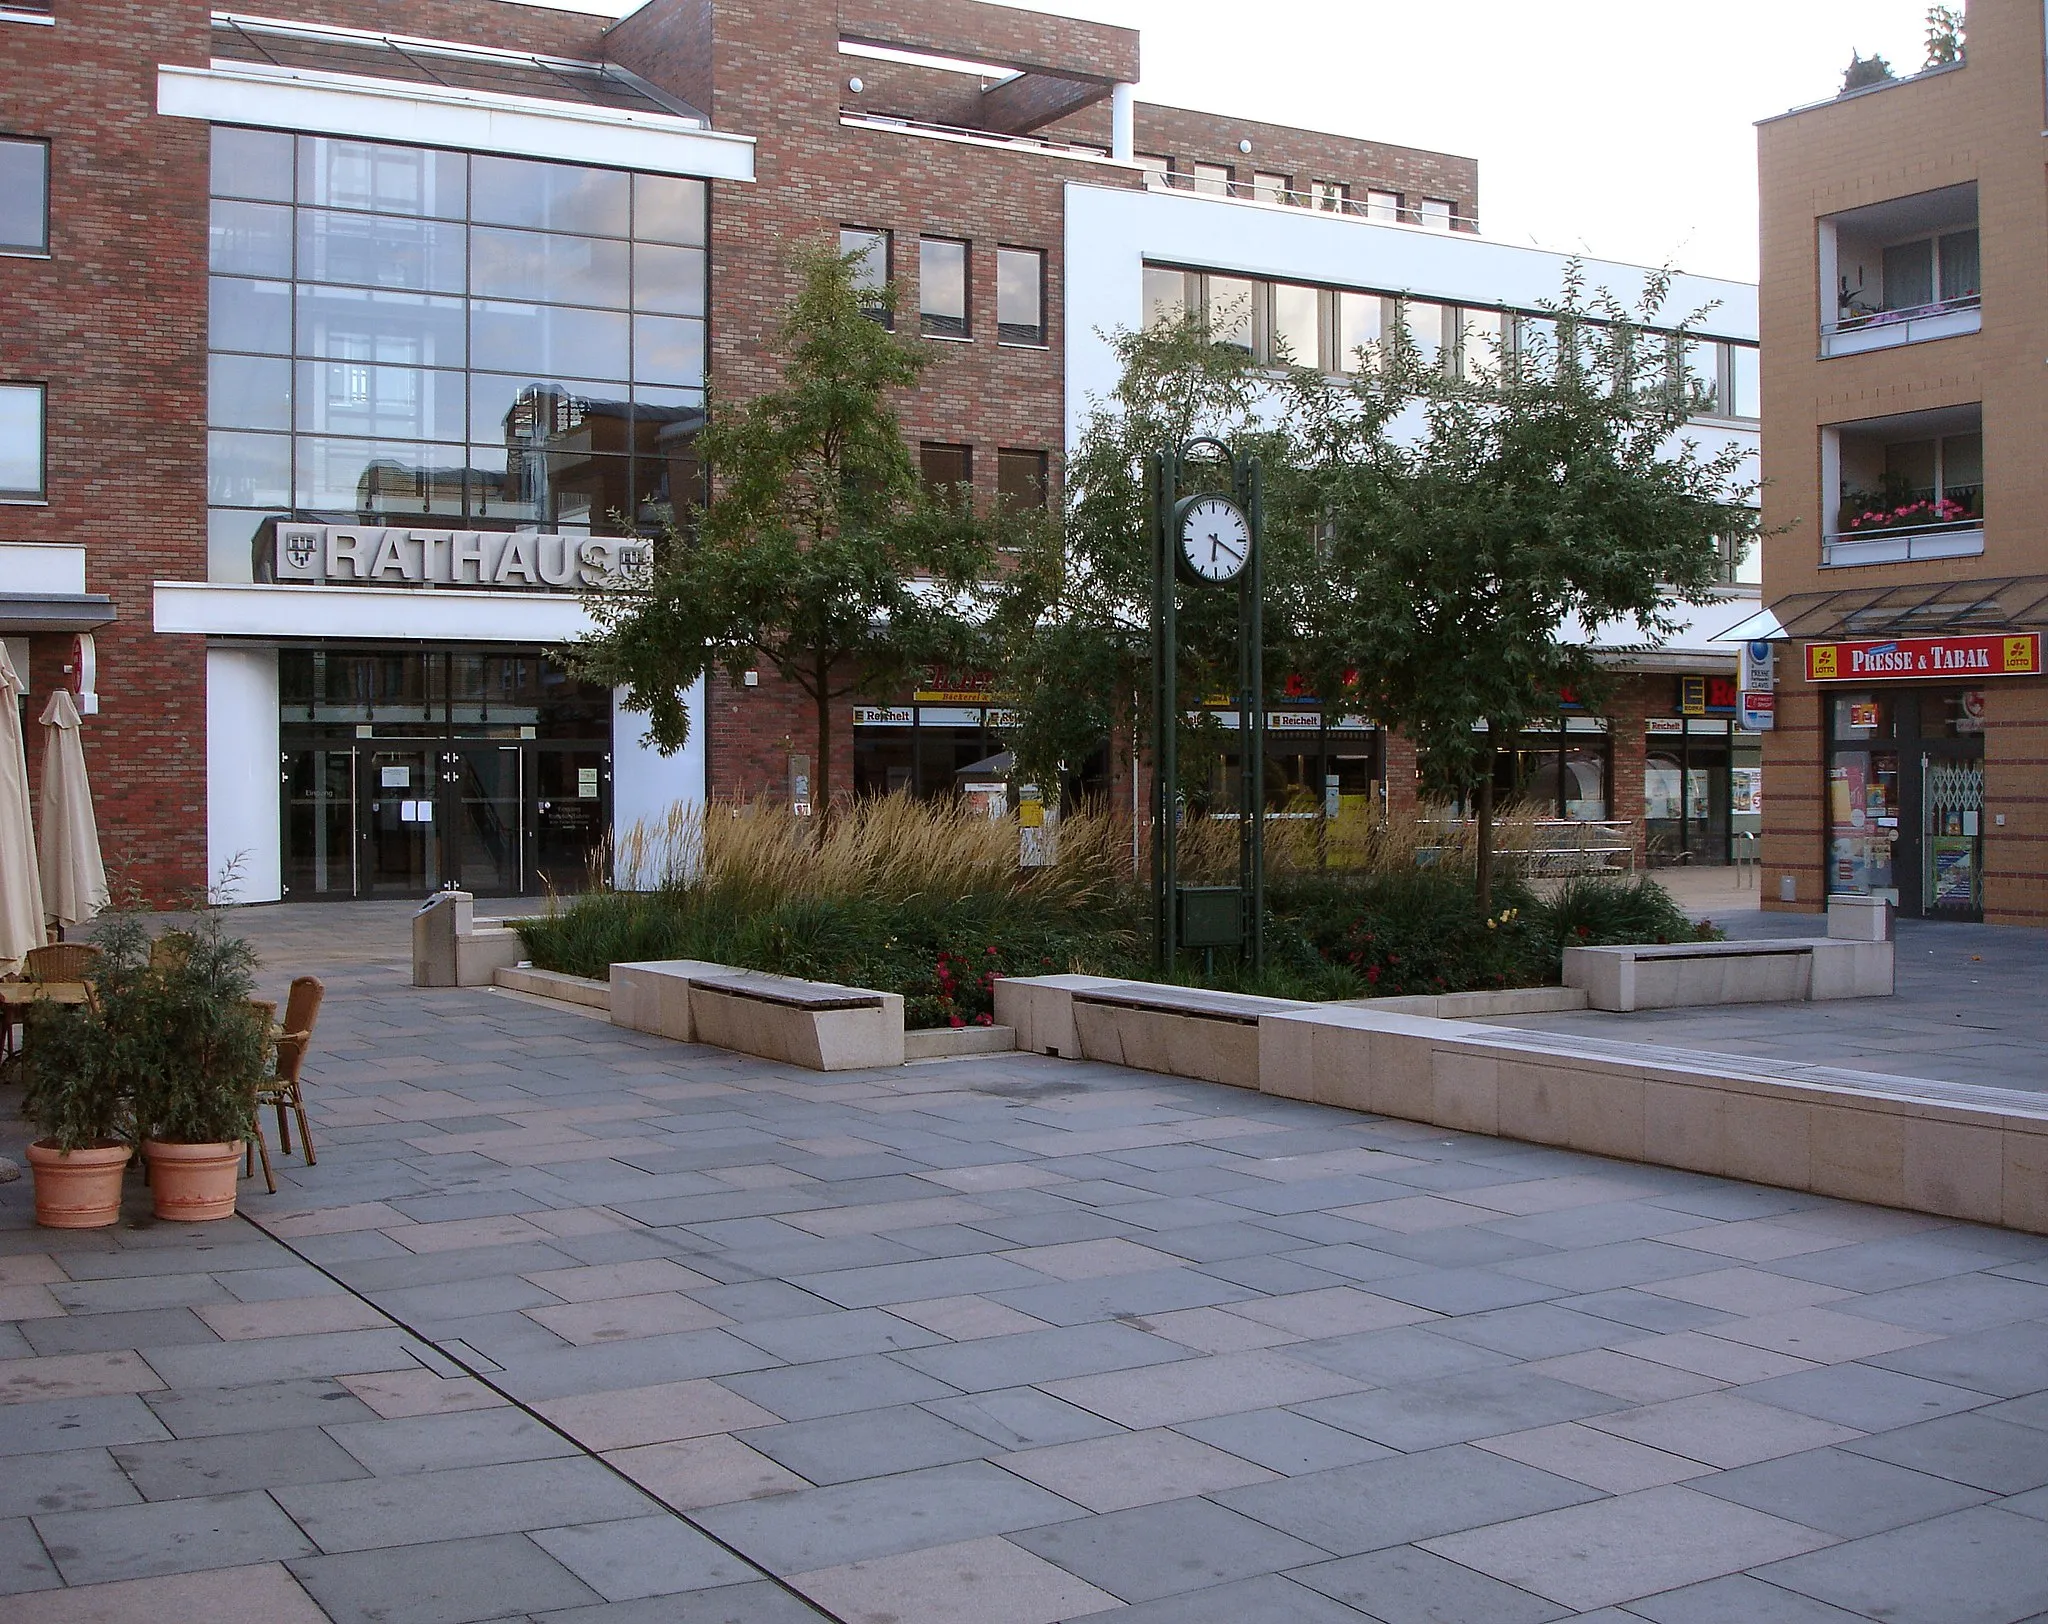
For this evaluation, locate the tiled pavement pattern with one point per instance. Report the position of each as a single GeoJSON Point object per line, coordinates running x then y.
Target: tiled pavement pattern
{"type": "Point", "coordinates": [571, 1323]}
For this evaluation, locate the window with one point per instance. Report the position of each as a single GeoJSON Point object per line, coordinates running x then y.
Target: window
{"type": "Point", "coordinates": [1699, 383]}
{"type": "Point", "coordinates": [1228, 304]}
{"type": "Point", "coordinates": [871, 269]}
{"type": "Point", "coordinates": [1436, 213]}
{"type": "Point", "coordinates": [1383, 206]}
{"type": "Point", "coordinates": [1296, 329]}
{"type": "Point", "coordinates": [1745, 382]}
{"type": "Point", "coordinates": [947, 469]}
{"type": "Point", "coordinates": [1432, 330]}
{"type": "Point", "coordinates": [1333, 195]}
{"type": "Point", "coordinates": [1480, 340]}
{"type": "Point", "coordinates": [1020, 296]}
{"type": "Point", "coordinates": [942, 287]}
{"type": "Point", "coordinates": [1910, 487]}
{"type": "Point", "coordinates": [1021, 478]}
{"type": "Point", "coordinates": [1360, 324]}
{"type": "Point", "coordinates": [21, 442]}
{"type": "Point", "coordinates": [24, 197]}
{"type": "Point", "coordinates": [1213, 178]}
{"type": "Point", "coordinates": [1167, 296]}
{"type": "Point", "coordinates": [1158, 172]}
{"type": "Point", "coordinates": [1273, 188]}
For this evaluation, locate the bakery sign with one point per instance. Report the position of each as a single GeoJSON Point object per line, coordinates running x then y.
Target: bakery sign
{"type": "Point", "coordinates": [504, 560]}
{"type": "Point", "coordinates": [1998, 654]}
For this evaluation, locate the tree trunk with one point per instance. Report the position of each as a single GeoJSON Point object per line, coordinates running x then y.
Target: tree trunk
{"type": "Point", "coordinates": [1482, 807]}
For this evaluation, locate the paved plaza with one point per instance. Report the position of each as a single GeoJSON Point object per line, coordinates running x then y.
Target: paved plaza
{"type": "Point", "coordinates": [571, 1323]}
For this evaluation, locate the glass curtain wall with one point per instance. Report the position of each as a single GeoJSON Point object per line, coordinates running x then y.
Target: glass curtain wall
{"type": "Point", "coordinates": [402, 335]}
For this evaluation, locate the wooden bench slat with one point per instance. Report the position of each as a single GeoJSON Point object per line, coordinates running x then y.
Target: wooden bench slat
{"type": "Point", "coordinates": [791, 992]}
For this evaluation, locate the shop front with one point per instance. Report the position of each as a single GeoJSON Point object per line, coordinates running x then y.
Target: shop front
{"type": "Point", "coordinates": [1905, 736]}
{"type": "Point", "coordinates": [1702, 778]}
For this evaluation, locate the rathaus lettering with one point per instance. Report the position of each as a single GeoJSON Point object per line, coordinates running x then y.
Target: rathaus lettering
{"type": "Point", "coordinates": [517, 560]}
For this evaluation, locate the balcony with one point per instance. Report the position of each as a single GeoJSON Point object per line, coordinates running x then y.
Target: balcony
{"type": "Point", "coordinates": [1325, 197]}
{"type": "Point", "coordinates": [1908, 488]}
{"type": "Point", "coordinates": [1900, 272]}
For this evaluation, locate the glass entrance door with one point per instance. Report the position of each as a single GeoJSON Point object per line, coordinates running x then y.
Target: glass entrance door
{"type": "Point", "coordinates": [397, 791]}
{"type": "Point", "coordinates": [572, 814]}
{"type": "Point", "coordinates": [320, 813]}
{"type": "Point", "coordinates": [483, 792]}
{"type": "Point", "coordinates": [1952, 830]}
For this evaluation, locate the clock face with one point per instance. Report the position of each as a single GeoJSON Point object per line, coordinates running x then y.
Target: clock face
{"type": "Point", "coordinates": [1215, 538]}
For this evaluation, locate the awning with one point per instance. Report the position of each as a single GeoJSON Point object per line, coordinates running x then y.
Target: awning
{"type": "Point", "coordinates": [2013, 603]}
{"type": "Point", "coordinates": [54, 611]}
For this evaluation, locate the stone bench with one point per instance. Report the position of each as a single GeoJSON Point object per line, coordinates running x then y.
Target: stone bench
{"type": "Point", "coordinates": [1151, 1026]}
{"type": "Point", "coordinates": [1951, 1149]}
{"type": "Point", "coordinates": [813, 1024]}
{"type": "Point", "coordinates": [451, 947]}
{"type": "Point", "coordinates": [1672, 975]}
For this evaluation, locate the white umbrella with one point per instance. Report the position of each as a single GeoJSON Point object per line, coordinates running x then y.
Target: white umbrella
{"type": "Point", "coordinates": [74, 878]}
{"type": "Point", "coordinates": [21, 891]}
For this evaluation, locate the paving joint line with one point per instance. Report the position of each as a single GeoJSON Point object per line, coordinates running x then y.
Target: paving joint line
{"type": "Point", "coordinates": [531, 1413]}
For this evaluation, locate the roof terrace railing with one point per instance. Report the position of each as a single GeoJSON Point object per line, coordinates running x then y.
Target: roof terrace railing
{"type": "Point", "coordinates": [1455, 218]}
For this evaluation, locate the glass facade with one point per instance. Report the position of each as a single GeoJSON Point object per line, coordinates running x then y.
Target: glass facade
{"type": "Point", "coordinates": [399, 334]}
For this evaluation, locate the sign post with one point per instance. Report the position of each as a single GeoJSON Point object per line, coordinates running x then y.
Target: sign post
{"type": "Point", "coordinates": [1758, 688]}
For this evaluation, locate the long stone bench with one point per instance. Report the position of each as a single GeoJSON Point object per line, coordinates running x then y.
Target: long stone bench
{"type": "Point", "coordinates": [1958, 1151]}
{"type": "Point", "coordinates": [1151, 1026]}
{"type": "Point", "coordinates": [1672, 975]}
{"type": "Point", "coordinates": [814, 1024]}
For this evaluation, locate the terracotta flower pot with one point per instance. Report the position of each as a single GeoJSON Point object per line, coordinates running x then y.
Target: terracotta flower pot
{"type": "Point", "coordinates": [193, 1182]}
{"type": "Point", "coordinates": [78, 1189]}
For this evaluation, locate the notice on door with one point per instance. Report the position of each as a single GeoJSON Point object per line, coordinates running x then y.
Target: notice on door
{"type": "Point", "coordinates": [394, 777]}
{"type": "Point", "coordinates": [586, 783]}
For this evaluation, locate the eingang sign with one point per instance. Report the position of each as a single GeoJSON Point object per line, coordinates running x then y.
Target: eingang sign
{"type": "Point", "coordinates": [1997, 654]}
{"type": "Point", "coordinates": [505, 560]}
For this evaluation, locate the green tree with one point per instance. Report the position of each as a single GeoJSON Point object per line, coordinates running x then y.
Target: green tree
{"type": "Point", "coordinates": [1551, 495]}
{"type": "Point", "coordinates": [1944, 35]}
{"type": "Point", "coordinates": [820, 553]}
{"type": "Point", "coordinates": [1070, 622]}
{"type": "Point", "coordinates": [1865, 70]}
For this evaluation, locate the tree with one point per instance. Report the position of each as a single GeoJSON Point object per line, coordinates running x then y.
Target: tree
{"type": "Point", "coordinates": [1070, 622]}
{"type": "Point", "coordinates": [820, 553]}
{"type": "Point", "coordinates": [1944, 35]}
{"type": "Point", "coordinates": [1469, 565]}
{"type": "Point", "coordinates": [1864, 70]}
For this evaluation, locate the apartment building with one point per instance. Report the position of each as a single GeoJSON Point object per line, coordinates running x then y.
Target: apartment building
{"type": "Point", "coordinates": [1903, 226]}
{"type": "Point", "coordinates": [348, 349]}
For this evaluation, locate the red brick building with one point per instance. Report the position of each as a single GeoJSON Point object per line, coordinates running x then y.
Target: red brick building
{"type": "Point", "coordinates": [341, 352]}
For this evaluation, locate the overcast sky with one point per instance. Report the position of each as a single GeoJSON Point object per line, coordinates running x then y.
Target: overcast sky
{"type": "Point", "coordinates": [1619, 128]}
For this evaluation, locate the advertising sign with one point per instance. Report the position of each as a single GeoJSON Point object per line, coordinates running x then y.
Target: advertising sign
{"type": "Point", "coordinates": [1997, 654]}
{"type": "Point", "coordinates": [1759, 711]}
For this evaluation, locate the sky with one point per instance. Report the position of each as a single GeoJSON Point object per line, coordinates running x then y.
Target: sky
{"type": "Point", "coordinates": [1621, 129]}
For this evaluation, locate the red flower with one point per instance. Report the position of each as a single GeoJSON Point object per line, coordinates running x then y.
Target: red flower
{"type": "Point", "coordinates": [954, 1020]}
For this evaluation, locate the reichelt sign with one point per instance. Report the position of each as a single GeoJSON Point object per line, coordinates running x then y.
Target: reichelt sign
{"type": "Point", "coordinates": [1998, 654]}
{"type": "Point", "coordinates": [502, 560]}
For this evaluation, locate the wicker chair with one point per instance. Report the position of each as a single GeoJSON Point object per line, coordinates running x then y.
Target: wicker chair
{"type": "Point", "coordinates": [283, 1092]}
{"type": "Point", "coordinates": [59, 961]}
{"type": "Point", "coordinates": [254, 1145]}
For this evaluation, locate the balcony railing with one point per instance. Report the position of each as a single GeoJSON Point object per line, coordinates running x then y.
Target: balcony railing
{"type": "Point", "coordinates": [1318, 203]}
{"type": "Point", "coordinates": [1860, 330]}
{"type": "Point", "coordinates": [1922, 526]}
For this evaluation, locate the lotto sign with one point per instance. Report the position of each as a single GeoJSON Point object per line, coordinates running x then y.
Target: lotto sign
{"type": "Point", "coordinates": [2015, 654]}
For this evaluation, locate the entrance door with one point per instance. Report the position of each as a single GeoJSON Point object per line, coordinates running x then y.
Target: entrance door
{"type": "Point", "coordinates": [1952, 829]}
{"type": "Point", "coordinates": [320, 812]}
{"type": "Point", "coordinates": [483, 806]}
{"type": "Point", "coordinates": [572, 814]}
{"type": "Point", "coordinates": [400, 855]}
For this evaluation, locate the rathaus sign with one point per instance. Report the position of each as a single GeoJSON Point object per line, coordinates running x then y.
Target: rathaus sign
{"type": "Point", "coordinates": [515, 560]}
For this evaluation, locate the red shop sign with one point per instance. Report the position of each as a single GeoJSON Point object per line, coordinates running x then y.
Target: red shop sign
{"type": "Point", "coordinates": [1999, 654]}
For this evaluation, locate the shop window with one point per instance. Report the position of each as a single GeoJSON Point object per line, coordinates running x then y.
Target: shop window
{"type": "Point", "coordinates": [1021, 478]}
{"type": "Point", "coordinates": [24, 197]}
{"type": "Point", "coordinates": [942, 288]}
{"type": "Point", "coordinates": [1020, 296]}
{"type": "Point", "coordinates": [948, 470]}
{"type": "Point", "coordinates": [21, 442]}
{"type": "Point", "coordinates": [869, 251]}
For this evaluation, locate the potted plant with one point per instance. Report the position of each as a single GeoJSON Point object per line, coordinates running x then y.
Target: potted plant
{"type": "Point", "coordinates": [76, 1098]}
{"type": "Point", "coordinates": [201, 1050]}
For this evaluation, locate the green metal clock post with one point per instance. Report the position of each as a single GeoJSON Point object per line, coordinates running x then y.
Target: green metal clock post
{"type": "Point", "coordinates": [1191, 917]}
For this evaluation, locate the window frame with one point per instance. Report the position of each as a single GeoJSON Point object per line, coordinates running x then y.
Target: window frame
{"type": "Point", "coordinates": [925, 315]}
{"type": "Point", "coordinates": [957, 490]}
{"type": "Point", "coordinates": [39, 496]}
{"type": "Point", "coordinates": [878, 311]}
{"type": "Point", "coordinates": [1044, 328]}
{"type": "Point", "coordinates": [1041, 477]}
{"type": "Point", "coordinates": [22, 250]}
{"type": "Point", "coordinates": [1212, 180]}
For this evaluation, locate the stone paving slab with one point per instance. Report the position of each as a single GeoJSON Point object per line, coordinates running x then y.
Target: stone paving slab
{"type": "Point", "coordinates": [575, 1324]}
